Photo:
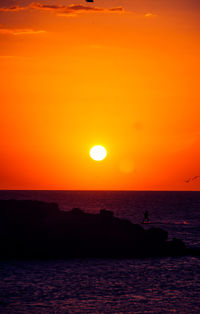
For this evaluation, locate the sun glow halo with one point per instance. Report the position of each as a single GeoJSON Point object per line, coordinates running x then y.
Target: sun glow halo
{"type": "Point", "coordinates": [98, 153]}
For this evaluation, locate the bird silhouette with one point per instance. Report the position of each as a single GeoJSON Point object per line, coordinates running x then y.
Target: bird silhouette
{"type": "Point", "coordinates": [196, 177]}
{"type": "Point", "coordinates": [192, 179]}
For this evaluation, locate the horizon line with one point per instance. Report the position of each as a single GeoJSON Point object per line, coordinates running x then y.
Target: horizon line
{"type": "Point", "coordinates": [89, 190]}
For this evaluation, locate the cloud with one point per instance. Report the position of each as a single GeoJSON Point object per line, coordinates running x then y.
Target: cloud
{"type": "Point", "coordinates": [6, 57]}
{"type": "Point", "coordinates": [63, 8]}
{"type": "Point", "coordinates": [72, 9]}
{"type": "Point", "coordinates": [14, 8]}
{"type": "Point", "coordinates": [17, 31]}
{"type": "Point", "coordinates": [150, 15]}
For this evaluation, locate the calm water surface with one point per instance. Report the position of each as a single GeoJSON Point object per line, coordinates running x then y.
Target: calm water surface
{"type": "Point", "coordinates": [101, 286]}
{"type": "Point", "coordinates": [162, 285]}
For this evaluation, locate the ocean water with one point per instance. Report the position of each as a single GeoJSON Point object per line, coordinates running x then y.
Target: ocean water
{"type": "Point", "coordinates": [159, 285]}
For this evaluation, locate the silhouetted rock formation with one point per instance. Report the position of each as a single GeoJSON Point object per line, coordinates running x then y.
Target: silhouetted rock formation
{"type": "Point", "coordinates": [33, 229]}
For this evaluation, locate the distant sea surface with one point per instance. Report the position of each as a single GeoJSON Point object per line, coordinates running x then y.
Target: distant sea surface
{"type": "Point", "coordinates": [159, 285]}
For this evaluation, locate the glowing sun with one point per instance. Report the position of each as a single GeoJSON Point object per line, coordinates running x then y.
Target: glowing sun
{"type": "Point", "coordinates": [98, 153]}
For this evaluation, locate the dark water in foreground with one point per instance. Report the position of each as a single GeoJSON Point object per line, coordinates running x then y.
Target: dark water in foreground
{"type": "Point", "coordinates": [161, 285]}
{"type": "Point", "coordinates": [101, 286]}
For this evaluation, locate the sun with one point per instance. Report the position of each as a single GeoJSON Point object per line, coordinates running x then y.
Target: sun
{"type": "Point", "coordinates": [98, 153]}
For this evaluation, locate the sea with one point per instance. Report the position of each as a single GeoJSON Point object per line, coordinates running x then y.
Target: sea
{"type": "Point", "coordinates": [136, 285]}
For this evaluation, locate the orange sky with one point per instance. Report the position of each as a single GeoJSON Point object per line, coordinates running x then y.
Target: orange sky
{"type": "Point", "coordinates": [123, 74]}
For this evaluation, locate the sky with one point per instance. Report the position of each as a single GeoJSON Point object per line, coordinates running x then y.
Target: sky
{"type": "Point", "coordinates": [122, 74]}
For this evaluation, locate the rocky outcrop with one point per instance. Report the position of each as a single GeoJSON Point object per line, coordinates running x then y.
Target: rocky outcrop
{"type": "Point", "coordinates": [33, 229]}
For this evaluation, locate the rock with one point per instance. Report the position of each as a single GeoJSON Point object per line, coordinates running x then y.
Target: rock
{"type": "Point", "coordinates": [33, 229]}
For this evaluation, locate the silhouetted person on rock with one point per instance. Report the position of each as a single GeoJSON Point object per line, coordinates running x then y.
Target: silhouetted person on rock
{"type": "Point", "coordinates": [146, 216]}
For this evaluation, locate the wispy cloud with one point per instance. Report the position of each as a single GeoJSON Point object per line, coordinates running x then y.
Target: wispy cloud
{"type": "Point", "coordinates": [150, 15]}
{"type": "Point", "coordinates": [6, 57]}
{"type": "Point", "coordinates": [72, 9]}
{"type": "Point", "coordinates": [14, 8]}
{"type": "Point", "coordinates": [16, 31]}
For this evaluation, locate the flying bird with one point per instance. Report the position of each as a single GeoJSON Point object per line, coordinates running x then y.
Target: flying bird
{"type": "Point", "coordinates": [196, 177]}
{"type": "Point", "coordinates": [89, 0]}
{"type": "Point", "coordinates": [187, 181]}
{"type": "Point", "coordinates": [192, 179]}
